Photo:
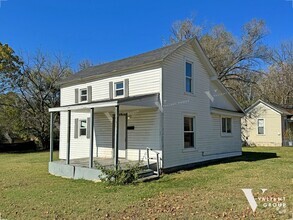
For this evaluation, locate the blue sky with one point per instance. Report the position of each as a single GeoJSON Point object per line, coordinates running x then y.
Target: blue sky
{"type": "Point", "coordinates": [102, 31]}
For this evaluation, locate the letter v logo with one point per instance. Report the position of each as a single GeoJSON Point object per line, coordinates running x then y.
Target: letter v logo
{"type": "Point", "coordinates": [250, 198]}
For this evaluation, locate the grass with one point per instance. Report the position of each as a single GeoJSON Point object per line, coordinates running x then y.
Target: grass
{"type": "Point", "coordinates": [27, 191]}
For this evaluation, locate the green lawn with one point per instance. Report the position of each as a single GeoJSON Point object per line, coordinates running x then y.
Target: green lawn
{"type": "Point", "coordinates": [27, 191]}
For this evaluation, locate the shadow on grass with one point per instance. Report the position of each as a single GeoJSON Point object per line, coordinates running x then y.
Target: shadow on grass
{"type": "Point", "coordinates": [23, 147]}
{"type": "Point", "coordinates": [251, 156]}
{"type": "Point", "coordinates": [246, 156]}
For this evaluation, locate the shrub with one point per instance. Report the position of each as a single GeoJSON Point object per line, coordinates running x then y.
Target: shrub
{"type": "Point", "coordinates": [119, 176]}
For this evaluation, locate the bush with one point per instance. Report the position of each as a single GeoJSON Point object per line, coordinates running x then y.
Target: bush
{"type": "Point", "coordinates": [120, 176]}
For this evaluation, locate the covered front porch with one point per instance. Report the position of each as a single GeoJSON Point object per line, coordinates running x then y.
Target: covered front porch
{"type": "Point", "coordinates": [115, 135]}
{"type": "Point", "coordinates": [79, 169]}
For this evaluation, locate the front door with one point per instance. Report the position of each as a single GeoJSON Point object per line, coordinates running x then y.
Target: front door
{"type": "Point", "coordinates": [122, 136]}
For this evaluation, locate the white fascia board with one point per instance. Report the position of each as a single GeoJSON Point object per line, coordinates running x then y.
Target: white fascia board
{"type": "Point", "coordinates": [85, 106]}
{"type": "Point", "coordinates": [226, 112]}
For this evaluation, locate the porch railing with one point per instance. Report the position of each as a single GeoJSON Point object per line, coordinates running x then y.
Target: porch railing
{"type": "Point", "coordinates": [157, 172]}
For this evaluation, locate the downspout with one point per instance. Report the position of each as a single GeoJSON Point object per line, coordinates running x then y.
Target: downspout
{"type": "Point", "coordinates": [162, 116]}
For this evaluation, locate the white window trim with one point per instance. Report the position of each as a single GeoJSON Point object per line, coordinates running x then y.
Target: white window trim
{"type": "Point", "coordinates": [84, 89]}
{"type": "Point", "coordinates": [225, 134]}
{"type": "Point", "coordinates": [192, 93]}
{"type": "Point", "coordinates": [189, 149]}
{"type": "Point", "coordinates": [114, 89]}
{"type": "Point", "coordinates": [264, 125]}
{"type": "Point", "coordinates": [79, 128]}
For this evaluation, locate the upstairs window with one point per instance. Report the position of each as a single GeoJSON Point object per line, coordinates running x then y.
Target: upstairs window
{"type": "Point", "coordinates": [188, 132]}
{"type": "Point", "coordinates": [188, 77]}
{"type": "Point", "coordinates": [226, 125]}
{"type": "Point", "coordinates": [260, 126]}
{"type": "Point", "coordinates": [83, 95]}
{"type": "Point", "coordinates": [82, 128]}
{"type": "Point", "coordinates": [119, 89]}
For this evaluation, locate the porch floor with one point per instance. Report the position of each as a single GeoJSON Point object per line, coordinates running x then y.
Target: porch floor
{"type": "Point", "coordinates": [84, 162]}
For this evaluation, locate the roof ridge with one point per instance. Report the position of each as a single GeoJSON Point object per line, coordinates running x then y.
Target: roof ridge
{"type": "Point", "coordinates": [136, 55]}
{"type": "Point", "coordinates": [152, 56]}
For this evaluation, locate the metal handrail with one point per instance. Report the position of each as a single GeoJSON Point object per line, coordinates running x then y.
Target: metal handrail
{"type": "Point", "coordinates": [158, 160]}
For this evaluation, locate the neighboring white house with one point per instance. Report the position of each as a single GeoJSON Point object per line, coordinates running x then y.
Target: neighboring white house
{"type": "Point", "coordinates": [168, 99]}
{"type": "Point", "coordinates": [265, 124]}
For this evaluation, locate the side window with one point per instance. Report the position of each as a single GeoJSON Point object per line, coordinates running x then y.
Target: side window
{"type": "Point", "coordinates": [82, 128]}
{"type": "Point", "coordinates": [83, 95]}
{"type": "Point", "coordinates": [188, 77]}
{"type": "Point", "coordinates": [119, 89]}
{"type": "Point", "coordinates": [189, 132]}
{"type": "Point", "coordinates": [260, 126]}
{"type": "Point", "coordinates": [226, 125]}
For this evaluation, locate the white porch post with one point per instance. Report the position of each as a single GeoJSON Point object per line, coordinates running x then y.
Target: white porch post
{"type": "Point", "coordinates": [51, 136]}
{"type": "Point", "coordinates": [92, 119]}
{"type": "Point", "coordinates": [68, 137]}
{"type": "Point", "coordinates": [116, 136]}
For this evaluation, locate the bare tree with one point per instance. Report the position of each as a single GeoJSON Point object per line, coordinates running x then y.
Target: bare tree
{"type": "Point", "coordinates": [239, 62]}
{"type": "Point", "coordinates": [230, 56]}
{"type": "Point", "coordinates": [84, 64]}
{"type": "Point", "coordinates": [182, 30]}
{"type": "Point", "coordinates": [277, 84]}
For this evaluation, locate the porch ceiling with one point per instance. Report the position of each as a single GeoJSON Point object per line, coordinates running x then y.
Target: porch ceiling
{"type": "Point", "coordinates": [129, 103]}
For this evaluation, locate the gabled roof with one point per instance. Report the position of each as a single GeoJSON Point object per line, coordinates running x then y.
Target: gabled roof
{"type": "Point", "coordinates": [151, 57]}
{"type": "Point", "coordinates": [277, 108]}
{"type": "Point", "coordinates": [126, 63]}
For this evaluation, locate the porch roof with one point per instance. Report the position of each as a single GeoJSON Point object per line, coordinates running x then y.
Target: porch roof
{"type": "Point", "coordinates": [220, 111]}
{"type": "Point", "coordinates": [144, 101]}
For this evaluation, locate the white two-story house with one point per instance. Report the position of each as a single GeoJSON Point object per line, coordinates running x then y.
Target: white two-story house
{"type": "Point", "coordinates": [168, 99]}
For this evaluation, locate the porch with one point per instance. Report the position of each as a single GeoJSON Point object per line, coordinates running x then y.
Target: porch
{"type": "Point", "coordinates": [78, 168]}
{"type": "Point", "coordinates": [107, 141]}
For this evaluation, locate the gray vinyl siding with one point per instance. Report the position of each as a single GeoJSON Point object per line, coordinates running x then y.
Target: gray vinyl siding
{"type": "Point", "coordinates": [177, 104]}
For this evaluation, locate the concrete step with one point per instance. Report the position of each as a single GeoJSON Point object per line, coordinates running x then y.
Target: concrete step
{"type": "Point", "coordinates": [148, 178]}
{"type": "Point", "coordinates": [145, 173]}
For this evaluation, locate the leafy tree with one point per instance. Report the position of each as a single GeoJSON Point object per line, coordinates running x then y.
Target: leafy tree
{"type": "Point", "coordinates": [35, 83]}
{"type": "Point", "coordinates": [10, 65]}
{"type": "Point", "coordinates": [11, 126]}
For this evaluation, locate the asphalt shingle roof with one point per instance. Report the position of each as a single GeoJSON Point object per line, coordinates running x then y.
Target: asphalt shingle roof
{"type": "Point", "coordinates": [118, 65]}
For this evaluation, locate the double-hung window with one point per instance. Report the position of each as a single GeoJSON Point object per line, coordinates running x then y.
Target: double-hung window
{"type": "Point", "coordinates": [83, 95]}
{"type": "Point", "coordinates": [226, 125]}
{"type": "Point", "coordinates": [260, 126]}
{"type": "Point", "coordinates": [82, 128]}
{"type": "Point", "coordinates": [189, 132]}
{"type": "Point", "coordinates": [119, 89]}
{"type": "Point", "coordinates": [188, 77]}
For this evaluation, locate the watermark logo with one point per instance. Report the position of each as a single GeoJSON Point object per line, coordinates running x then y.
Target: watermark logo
{"type": "Point", "coordinates": [266, 201]}
{"type": "Point", "coordinates": [250, 198]}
